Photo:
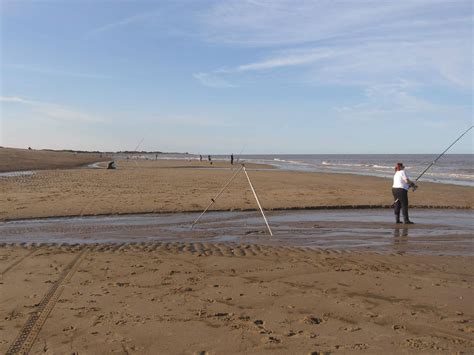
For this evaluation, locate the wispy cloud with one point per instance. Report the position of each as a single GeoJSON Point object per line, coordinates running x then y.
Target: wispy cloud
{"type": "Point", "coordinates": [138, 18]}
{"type": "Point", "coordinates": [290, 22]}
{"type": "Point", "coordinates": [217, 78]}
{"type": "Point", "coordinates": [430, 62]}
{"type": "Point", "coordinates": [190, 120]}
{"type": "Point", "coordinates": [14, 99]}
{"type": "Point", "coordinates": [213, 80]}
{"type": "Point", "coordinates": [53, 111]}
{"type": "Point", "coordinates": [395, 103]}
{"type": "Point", "coordinates": [290, 60]}
{"type": "Point", "coordinates": [347, 43]}
{"type": "Point", "coordinates": [53, 72]}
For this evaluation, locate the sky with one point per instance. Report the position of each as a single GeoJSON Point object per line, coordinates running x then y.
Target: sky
{"type": "Point", "coordinates": [251, 76]}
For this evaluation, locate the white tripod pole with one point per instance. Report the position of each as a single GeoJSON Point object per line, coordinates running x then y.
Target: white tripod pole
{"type": "Point", "coordinates": [258, 202]}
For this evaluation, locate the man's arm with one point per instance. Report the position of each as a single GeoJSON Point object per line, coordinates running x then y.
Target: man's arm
{"type": "Point", "coordinates": [410, 183]}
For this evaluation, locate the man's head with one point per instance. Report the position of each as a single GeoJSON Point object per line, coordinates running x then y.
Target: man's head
{"type": "Point", "coordinates": [399, 167]}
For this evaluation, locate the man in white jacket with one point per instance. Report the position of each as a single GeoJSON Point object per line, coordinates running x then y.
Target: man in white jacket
{"type": "Point", "coordinates": [401, 184]}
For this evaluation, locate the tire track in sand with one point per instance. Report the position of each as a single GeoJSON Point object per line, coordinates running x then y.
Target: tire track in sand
{"type": "Point", "coordinates": [28, 334]}
{"type": "Point", "coordinates": [16, 262]}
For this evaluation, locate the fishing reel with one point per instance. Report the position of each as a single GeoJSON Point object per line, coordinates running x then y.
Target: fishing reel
{"type": "Point", "coordinates": [413, 186]}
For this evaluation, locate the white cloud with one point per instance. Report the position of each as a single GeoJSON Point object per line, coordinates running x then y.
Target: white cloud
{"type": "Point", "coordinates": [347, 43]}
{"type": "Point", "coordinates": [219, 78]}
{"type": "Point", "coordinates": [189, 120]}
{"type": "Point", "coordinates": [52, 111]}
{"type": "Point", "coordinates": [277, 22]}
{"type": "Point", "coordinates": [286, 61]}
{"type": "Point", "coordinates": [13, 99]}
{"type": "Point", "coordinates": [54, 72]}
{"type": "Point", "coordinates": [442, 62]}
{"type": "Point", "coordinates": [138, 18]}
{"type": "Point", "coordinates": [394, 103]}
{"type": "Point", "coordinates": [213, 80]}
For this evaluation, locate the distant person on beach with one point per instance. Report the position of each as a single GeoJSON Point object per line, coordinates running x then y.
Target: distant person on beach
{"type": "Point", "coordinates": [200, 157]}
{"type": "Point", "coordinates": [401, 185]}
{"type": "Point", "coordinates": [232, 159]}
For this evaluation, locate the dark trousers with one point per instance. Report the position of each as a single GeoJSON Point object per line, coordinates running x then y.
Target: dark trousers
{"type": "Point", "coordinates": [402, 196]}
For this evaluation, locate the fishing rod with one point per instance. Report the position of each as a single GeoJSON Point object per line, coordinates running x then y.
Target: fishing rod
{"type": "Point", "coordinates": [238, 156]}
{"type": "Point", "coordinates": [213, 200]}
{"type": "Point", "coordinates": [439, 156]}
{"type": "Point", "coordinates": [139, 144]}
{"type": "Point", "coordinates": [414, 186]}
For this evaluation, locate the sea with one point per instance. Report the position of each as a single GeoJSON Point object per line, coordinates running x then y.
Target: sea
{"type": "Point", "coordinates": [455, 169]}
{"type": "Point", "coordinates": [449, 169]}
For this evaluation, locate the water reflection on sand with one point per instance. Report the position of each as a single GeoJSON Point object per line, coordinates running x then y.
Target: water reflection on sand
{"type": "Point", "coordinates": [446, 232]}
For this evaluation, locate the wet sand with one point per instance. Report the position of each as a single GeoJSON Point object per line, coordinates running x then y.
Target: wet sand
{"type": "Point", "coordinates": [437, 232]}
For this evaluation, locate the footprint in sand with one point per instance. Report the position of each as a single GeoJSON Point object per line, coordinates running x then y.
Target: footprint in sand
{"type": "Point", "coordinates": [271, 340]}
{"type": "Point", "coordinates": [312, 320]}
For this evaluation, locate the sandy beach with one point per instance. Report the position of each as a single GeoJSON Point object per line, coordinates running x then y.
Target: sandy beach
{"type": "Point", "coordinates": [176, 186]}
{"type": "Point", "coordinates": [12, 159]}
{"type": "Point", "coordinates": [176, 298]}
{"type": "Point", "coordinates": [182, 297]}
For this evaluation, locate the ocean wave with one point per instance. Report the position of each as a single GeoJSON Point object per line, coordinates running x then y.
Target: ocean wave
{"type": "Point", "coordinates": [359, 165]}
{"type": "Point", "coordinates": [457, 172]}
{"type": "Point", "coordinates": [451, 176]}
{"type": "Point", "coordinates": [382, 166]}
{"type": "Point", "coordinates": [294, 162]}
{"type": "Point", "coordinates": [355, 165]}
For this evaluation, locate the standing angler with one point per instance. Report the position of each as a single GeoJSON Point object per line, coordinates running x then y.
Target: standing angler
{"type": "Point", "coordinates": [401, 184]}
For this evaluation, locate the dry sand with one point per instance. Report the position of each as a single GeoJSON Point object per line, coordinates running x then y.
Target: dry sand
{"type": "Point", "coordinates": [183, 298]}
{"type": "Point", "coordinates": [13, 159]}
{"type": "Point", "coordinates": [176, 186]}
{"type": "Point", "coordinates": [223, 298]}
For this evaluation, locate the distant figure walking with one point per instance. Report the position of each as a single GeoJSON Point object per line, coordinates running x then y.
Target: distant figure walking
{"type": "Point", "coordinates": [401, 185]}
{"type": "Point", "coordinates": [209, 158]}
{"type": "Point", "coordinates": [232, 159]}
{"type": "Point", "coordinates": [200, 157]}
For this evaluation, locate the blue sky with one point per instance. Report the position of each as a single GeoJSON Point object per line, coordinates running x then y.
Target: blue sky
{"type": "Point", "coordinates": [287, 76]}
